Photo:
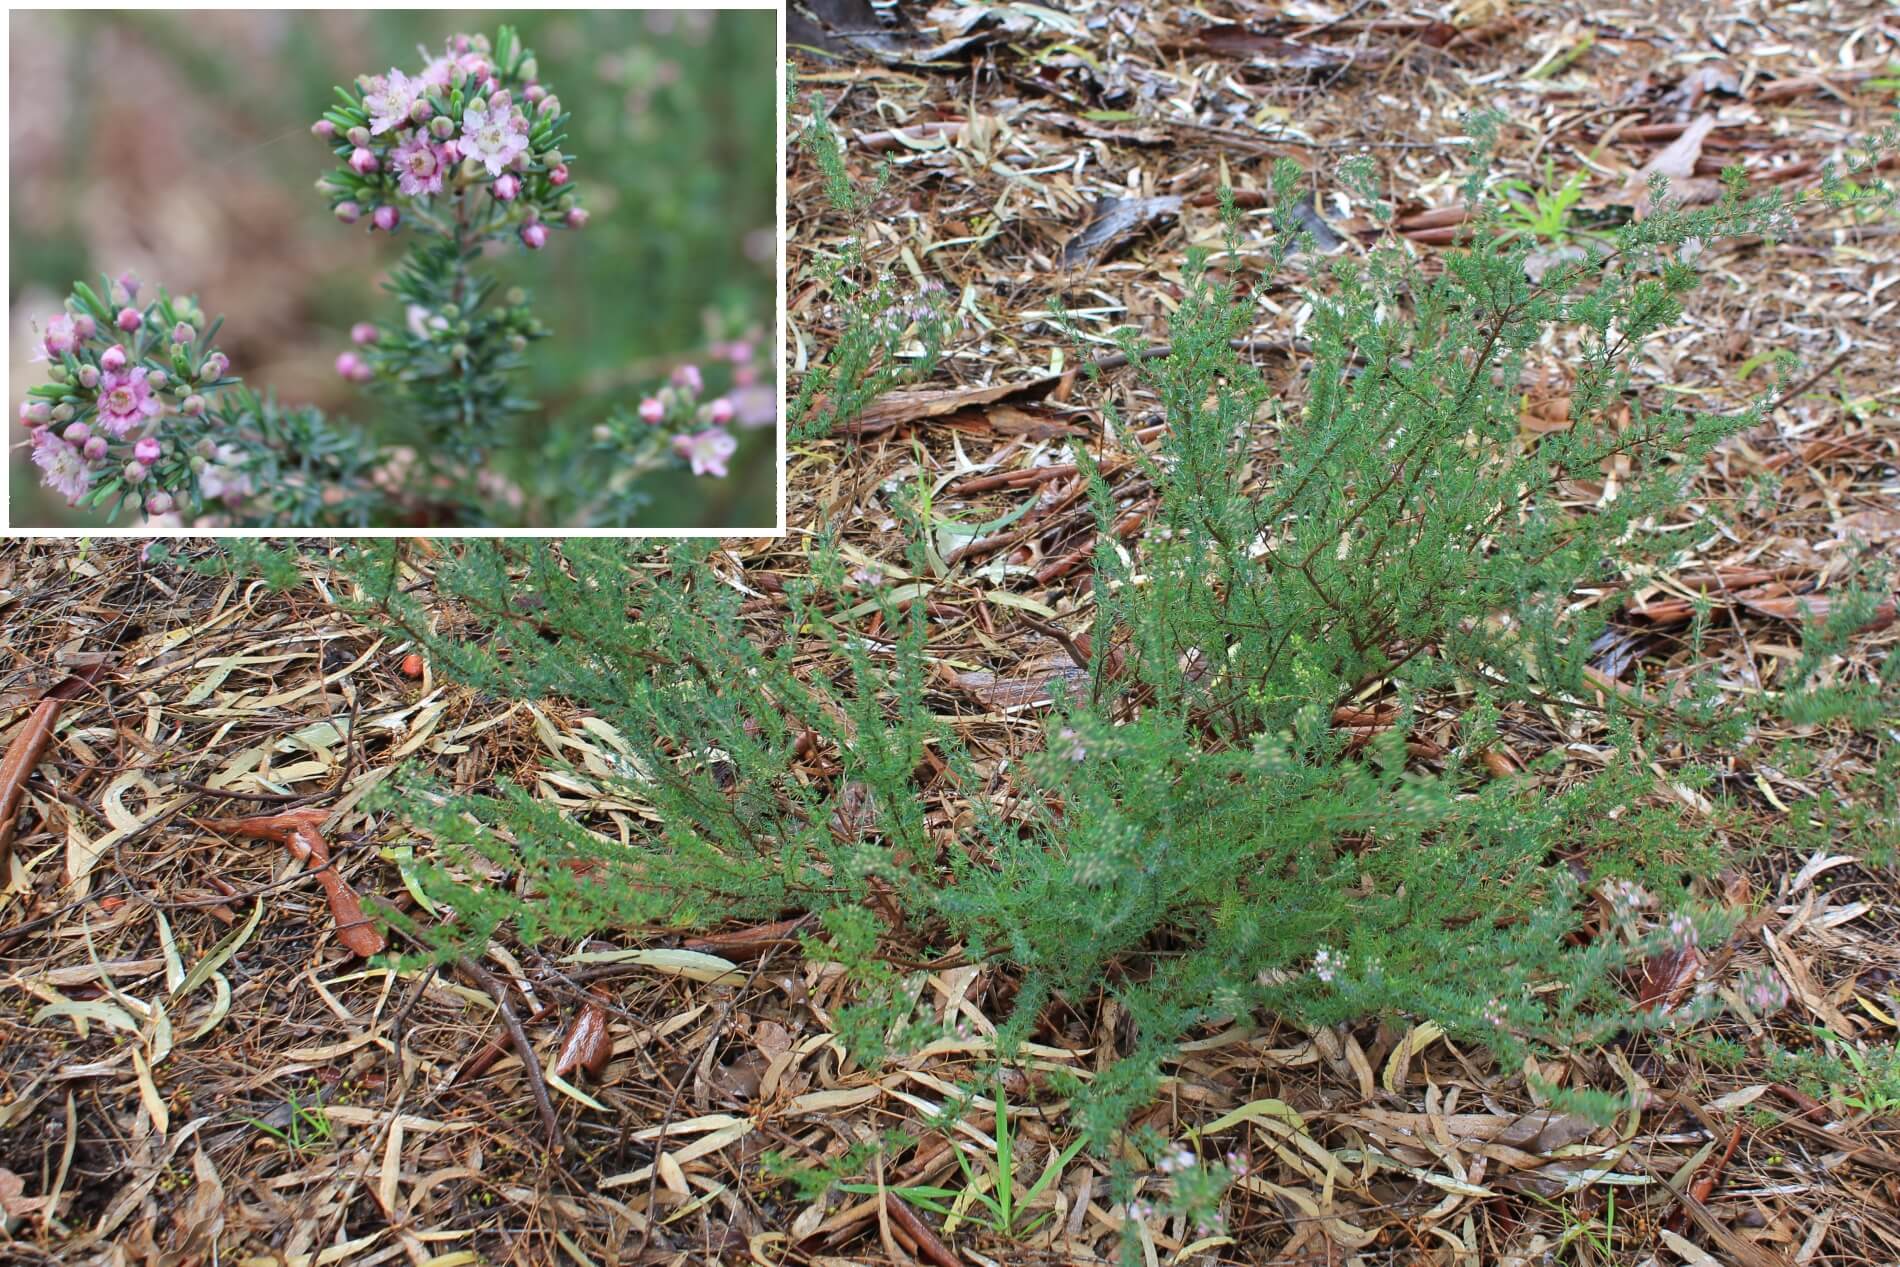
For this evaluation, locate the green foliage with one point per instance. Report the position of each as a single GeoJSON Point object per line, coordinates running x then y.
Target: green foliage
{"type": "Point", "coordinates": [998, 1198]}
{"type": "Point", "coordinates": [1864, 1081]}
{"type": "Point", "coordinates": [1200, 840]}
{"type": "Point", "coordinates": [888, 334]}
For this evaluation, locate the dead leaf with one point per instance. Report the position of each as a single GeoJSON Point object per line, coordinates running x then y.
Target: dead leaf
{"type": "Point", "coordinates": [1677, 163]}
{"type": "Point", "coordinates": [1115, 220]}
{"type": "Point", "coordinates": [589, 1046]}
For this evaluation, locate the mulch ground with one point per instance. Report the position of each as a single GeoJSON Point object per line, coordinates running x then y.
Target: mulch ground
{"type": "Point", "coordinates": [199, 1065]}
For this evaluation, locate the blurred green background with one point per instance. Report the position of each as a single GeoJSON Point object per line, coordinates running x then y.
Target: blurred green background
{"type": "Point", "coordinates": [177, 144]}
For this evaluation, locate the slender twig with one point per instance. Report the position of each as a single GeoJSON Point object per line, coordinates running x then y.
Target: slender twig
{"type": "Point", "coordinates": [530, 1063]}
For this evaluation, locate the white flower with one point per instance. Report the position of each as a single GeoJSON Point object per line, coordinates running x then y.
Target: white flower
{"type": "Point", "coordinates": [389, 99]}
{"type": "Point", "coordinates": [493, 137]}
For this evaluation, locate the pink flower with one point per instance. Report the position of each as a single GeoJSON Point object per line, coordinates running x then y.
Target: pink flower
{"type": "Point", "coordinates": [114, 358]}
{"type": "Point", "coordinates": [130, 320]}
{"type": "Point", "coordinates": [493, 137]}
{"type": "Point", "coordinates": [385, 218]}
{"type": "Point", "coordinates": [146, 450]}
{"type": "Point", "coordinates": [130, 280]}
{"type": "Point", "coordinates": [535, 235]}
{"type": "Point", "coordinates": [720, 412]}
{"type": "Point", "coordinates": [62, 469]}
{"type": "Point", "coordinates": [362, 162]}
{"type": "Point", "coordinates": [420, 166]}
{"type": "Point", "coordinates": [755, 404]}
{"type": "Point", "coordinates": [354, 368]}
{"type": "Point", "coordinates": [61, 335]}
{"type": "Point", "coordinates": [652, 411]}
{"type": "Point", "coordinates": [389, 100]}
{"type": "Point", "coordinates": [577, 218]}
{"type": "Point", "coordinates": [126, 401]}
{"type": "Point", "coordinates": [506, 186]}
{"type": "Point", "coordinates": [443, 72]}
{"type": "Point", "coordinates": [363, 332]}
{"type": "Point", "coordinates": [323, 128]}
{"type": "Point", "coordinates": [708, 451]}
{"type": "Point", "coordinates": [688, 376]}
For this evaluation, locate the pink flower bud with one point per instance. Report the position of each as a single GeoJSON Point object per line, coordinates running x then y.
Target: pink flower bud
{"type": "Point", "coordinates": [95, 448]}
{"type": "Point", "coordinates": [349, 364]}
{"type": "Point", "coordinates": [720, 411]}
{"type": "Point", "coordinates": [89, 376]}
{"type": "Point", "coordinates": [323, 128]}
{"type": "Point", "coordinates": [347, 212]}
{"type": "Point", "coordinates": [577, 217]}
{"type": "Point", "coordinates": [135, 472]}
{"type": "Point", "coordinates": [420, 111]}
{"type": "Point", "coordinates": [362, 162]}
{"type": "Point", "coordinates": [550, 105]}
{"type": "Point", "coordinates": [159, 503]}
{"type": "Point", "coordinates": [156, 379]}
{"type": "Point", "coordinates": [688, 377]}
{"type": "Point", "coordinates": [358, 136]}
{"type": "Point", "coordinates": [129, 319]}
{"type": "Point", "coordinates": [451, 153]}
{"type": "Point", "coordinates": [535, 235]}
{"type": "Point", "coordinates": [745, 376]}
{"type": "Point", "coordinates": [130, 280]}
{"type": "Point", "coordinates": [534, 92]}
{"type": "Point", "coordinates": [506, 186]}
{"type": "Point", "coordinates": [363, 332]}
{"type": "Point", "coordinates": [386, 218]}
{"type": "Point", "coordinates": [442, 127]}
{"type": "Point", "coordinates": [146, 450]}
{"type": "Point", "coordinates": [652, 411]}
{"type": "Point", "coordinates": [559, 175]}
{"type": "Point", "coordinates": [84, 326]}
{"type": "Point", "coordinates": [183, 333]}
{"type": "Point", "coordinates": [193, 406]}
{"type": "Point", "coordinates": [114, 359]}
{"type": "Point", "coordinates": [501, 100]}
{"type": "Point", "coordinates": [77, 434]}
{"type": "Point", "coordinates": [214, 366]}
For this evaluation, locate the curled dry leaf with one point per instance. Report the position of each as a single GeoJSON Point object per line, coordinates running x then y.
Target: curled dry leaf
{"type": "Point", "coordinates": [589, 1046]}
{"type": "Point", "coordinates": [297, 831]}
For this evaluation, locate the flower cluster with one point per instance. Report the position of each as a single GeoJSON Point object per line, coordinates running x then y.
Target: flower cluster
{"type": "Point", "coordinates": [123, 417]}
{"type": "Point", "coordinates": [469, 147]}
{"type": "Point", "coordinates": [1763, 990]}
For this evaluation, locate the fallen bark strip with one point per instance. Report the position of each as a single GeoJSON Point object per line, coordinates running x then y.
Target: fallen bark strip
{"type": "Point", "coordinates": [26, 752]}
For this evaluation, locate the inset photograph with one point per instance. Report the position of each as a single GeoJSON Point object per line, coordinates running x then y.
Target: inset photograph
{"type": "Point", "coordinates": [410, 270]}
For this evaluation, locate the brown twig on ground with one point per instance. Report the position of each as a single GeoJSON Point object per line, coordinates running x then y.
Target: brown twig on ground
{"type": "Point", "coordinates": [530, 1063]}
{"type": "Point", "coordinates": [929, 1244]}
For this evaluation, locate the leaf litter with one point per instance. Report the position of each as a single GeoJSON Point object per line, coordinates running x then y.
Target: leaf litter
{"type": "Point", "coordinates": [170, 986]}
